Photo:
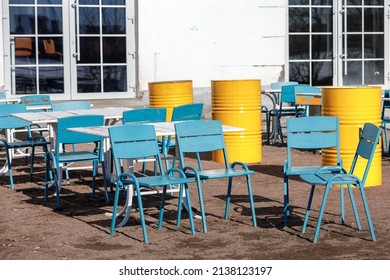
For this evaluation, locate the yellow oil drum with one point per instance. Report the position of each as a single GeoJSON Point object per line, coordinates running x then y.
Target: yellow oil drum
{"type": "Point", "coordinates": [168, 94]}
{"type": "Point", "coordinates": [238, 103]}
{"type": "Point", "coordinates": [354, 106]}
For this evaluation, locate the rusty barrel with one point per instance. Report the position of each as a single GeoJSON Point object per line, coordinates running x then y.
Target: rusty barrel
{"type": "Point", "coordinates": [354, 105]}
{"type": "Point", "coordinates": [238, 103]}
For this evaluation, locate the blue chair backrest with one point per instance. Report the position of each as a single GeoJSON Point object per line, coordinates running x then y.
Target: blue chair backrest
{"type": "Point", "coordinates": [36, 100]}
{"type": "Point", "coordinates": [71, 105]}
{"type": "Point", "coordinates": [2, 94]}
{"type": "Point", "coordinates": [187, 112]}
{"type": "Point", "coordinates": [145, 115]}
{"type": "Point", "coordinates": [366, 147]}
{"type": "Point", "coordinates": [288, 94]}
{"type": "Point", "coordinates": [64, 136]}
{"type": "Point", "coordinates": [7, 109]}
{"type": "Point", "coordinates": [313, 133]}
{"type": "Point", "coordinates": [10, 122]}
{"type": "Point", "coordinates": [132, 141]}
{"type": "Point", "coordinates": [278, 85]}
{"type": "Point", "coordinates": [200, 136]}
{"type": "Point", "coordinates": [306, 89]}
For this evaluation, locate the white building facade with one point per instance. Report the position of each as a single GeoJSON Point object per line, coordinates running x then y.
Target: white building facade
{"type": "Point", "coordinates": [106, 49]}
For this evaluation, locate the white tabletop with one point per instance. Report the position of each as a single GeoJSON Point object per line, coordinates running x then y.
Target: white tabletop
{"type": "Point", "coordinates": [53, 116]}
{"type": "Point", "coordinates": [162, 129]}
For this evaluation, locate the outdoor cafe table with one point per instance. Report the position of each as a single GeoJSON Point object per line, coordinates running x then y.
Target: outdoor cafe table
{"type": "Point", "coordinates": [162, 129]}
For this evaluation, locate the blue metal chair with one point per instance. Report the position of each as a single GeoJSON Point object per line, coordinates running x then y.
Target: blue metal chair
{"type": "Point", "coordinates": [10, 143]}
{"type": "Point", "coordinates": [145, 115]}
{"type": "Point", "coordinates": [288, 96]}
{"type": "Point", "coordinates": [206, 136]}
{"type": "Point", "coordinates": [365, 151]}
{"type": "Point", "coordinates": [72, 105]}
{"type": "Point", "coordinates": [385, 120]}
{"type": "Point", "coordinates": [58, 159]}
{"type": "Point", "coordinates": [308, 133]}
{"type": "Point", "coordinates": [37, 102]}
{"type": "Point", "coordinates": [133, 141]}
{"type": "Point", "coordinates": [186, 112]}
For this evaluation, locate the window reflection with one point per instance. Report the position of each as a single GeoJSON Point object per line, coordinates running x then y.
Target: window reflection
{"type": "Point", "coordinates": [114, 78]}
{"type": "Point", "coordinates": [25, 80]}
{"type": "Point", "coordinates": [114, 50]}
{"type": "Point", "coordinates": [88, 79]}
{"type": "Point", "coordinates": [51, 79]}
{"type": "Point", "coordinates": [90, 50]}
{"type": "Point", "coordinates": [89, 20]}
{"type": "Point", "coordinates": [51, 50]}
{"type": "Point", "coordinates": [373, 72]}
{"type": "Point", "coordinates": [50, 20]}
{"type": "Point", "coordinates": [114, 21]}
{"type": "Point", "coordinates": [22, 20]}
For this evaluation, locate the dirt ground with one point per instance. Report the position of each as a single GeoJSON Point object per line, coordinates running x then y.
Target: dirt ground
{"type": "Point", "coordinates": [32, 229]}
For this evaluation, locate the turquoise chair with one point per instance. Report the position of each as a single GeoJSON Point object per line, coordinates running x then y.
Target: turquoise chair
{"type": "Point", "coordinates": [58, 159]}
{"type": "Point", "coordinates": [287, 96]}
{"type": "Point", "coordinates": [132, 141]}
{"type": "Point", "coordinates": [186, 112]}
{"type": "Point", "coordinates": [385, 119]}
{"type": "Point", "coordinates": [145, 115]}
{"type": "Point", "coordinates": [364, 152]}
{"type": "Point", "coordinates": [308, 133]}
{"type": "Point", "coordinates": [37, 102]}
{"type": "Point", "coordinates": [9, 144]}
{"type": "Point", "coordinates": [72, 105]}
{"type": "Point", "coordinates": [205, 136]}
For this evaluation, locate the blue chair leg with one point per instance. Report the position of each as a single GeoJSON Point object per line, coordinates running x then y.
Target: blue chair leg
{"type": "Point", "coordinates": [252, 204]}
{"type": "Point", "coordinates": [141, 212]}
{"type": "Point", "coordinates": [308, 208]}
{"type": "Point", "coordinates": [354, 207]}
{"type": "Point", "coordinates": [179, 206]}
{"type": "Point", "coordinates": [371, 227]}
{"type": "Point", "coordinates": [115, 206]}
{"type": "Point", "coordinates": [191, 217]}
{"type": "Point", "coordinates": [323, 204]}
{"type": "Point", "coordinates": [286, 207]}
{"type": "Point", "coordinates": [229, 191]}
{"type": "Point", "coordinates": [201, 203]}
{"type": "Point", "coordinates": [162, 205]}
{"type": "Point", "coordinates": [342, 204]}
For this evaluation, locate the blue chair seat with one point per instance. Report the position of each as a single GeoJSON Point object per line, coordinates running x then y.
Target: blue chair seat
{"type": "Point", "coordinates": [156, 181]}
{"type": "Point", "coordinates": [78, 156]}
{"type": "Point", "coordinates": [221, 173]}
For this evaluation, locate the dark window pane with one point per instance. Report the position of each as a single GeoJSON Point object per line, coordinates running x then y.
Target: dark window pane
{"type": "Point", "coordinates": [113, 2]}
{"type": "Point", "coordinates": [373, 20]}
{"type": "Point", "coordinates": [322, 47]}
{"type": "Point", "coordinates": [299, 46]}
{"type": "Point", "coordinates": [50, 50]}
{"type": "Point", "coordinates": [354, 2]}
{"type": "Point", "coordinates": [51, 80]}
{"type": "Point", "coordinates": [354, 74]}
{"type": "Point", "coordinates": [89, 2]}
{"type": "Point", "coordinates": [322, 20]}
{"type": "Point", "coordinates": [89, 50]}
{"type": "Point", "coordinates": [49, 2]}
{"type": "Point", "coordinates": [298, 20]}
{"type": "Point", "coordinates": [24, 50]}
{"type": "Point", "coordinates": [321, 2]}
{"type": "Point", "coordinates": [50, 20]}
{"type": "Point", "coordinates": [114, 21]}
{"type": "Point", "coordinates": [373, 46]}
{"type": "Point", "coordinates": [89, 21]}
{"type": "Point", "coordinates": [298, 2]}
{"type": "Point", "coordinates": [114, 50]}
{"type": "Point", "coordinates": [21, 1]}
{"type": "Point", "coordinates": [354, 20]}
{"type": "Point", "coordinates": [25, 80]}
{"type": "Point", "coordinates": [88, 79]}
{"type": "Point", "coordinates": [322, 73]}
{"type": "Point", "coordinates": [373, 72]}
{"type": "Point", "coordinates": [114, 78]}
{"type": "Point", "coordinates": [374, 3]}
{"type": "Point", "coordinates": [299, 72]}
{"type": "Point", "coordinates": [22, 20]}
{"type": "Point", "coordinates": [354, 47]}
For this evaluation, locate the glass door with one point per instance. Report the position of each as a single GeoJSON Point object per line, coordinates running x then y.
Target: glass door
{"type": "Point", "coordinates": [361, 46]}
{"type": "Point", "coordinates": [338, 42]}
{"type": "Point", "coordinates": [79, 49]}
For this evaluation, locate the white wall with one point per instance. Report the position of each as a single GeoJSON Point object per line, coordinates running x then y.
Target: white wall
{"type": "Point", "coordinates": [1, 49]}
{"type": "Point", "coordinates": [204, 40]}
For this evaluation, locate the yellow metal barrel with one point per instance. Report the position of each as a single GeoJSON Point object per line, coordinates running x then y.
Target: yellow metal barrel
{"type": "Point", "coordinates": [168, 94]}
{"type": "Point", "coordinates": [354, 106]}
{"type": "Point", "coordinates": [238, 103]}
